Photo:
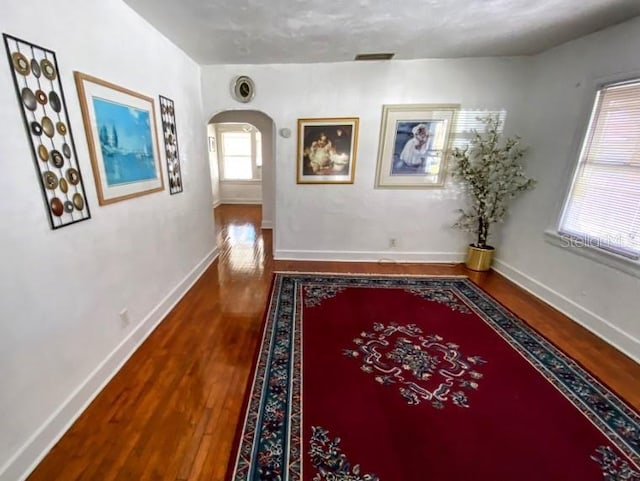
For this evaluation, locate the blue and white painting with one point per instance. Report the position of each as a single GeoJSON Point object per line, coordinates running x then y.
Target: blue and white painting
{"type": "Point", "coordinates": [125, 142]}
{"type": "Point", "coordinates": [414, 151]}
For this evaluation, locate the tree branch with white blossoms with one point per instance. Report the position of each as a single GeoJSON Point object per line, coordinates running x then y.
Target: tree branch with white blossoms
{"type": "Point", "coordinates": [491, 173]}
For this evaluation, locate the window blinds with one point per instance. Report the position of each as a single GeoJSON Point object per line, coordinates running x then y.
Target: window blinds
{"type": "Point", "coordinates": [603, 206]}
{"type": "Point", "coordinates": [236, 152]}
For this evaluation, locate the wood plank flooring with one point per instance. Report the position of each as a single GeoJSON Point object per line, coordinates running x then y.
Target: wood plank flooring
{"type": "Point", "coordinates": [172, 411]}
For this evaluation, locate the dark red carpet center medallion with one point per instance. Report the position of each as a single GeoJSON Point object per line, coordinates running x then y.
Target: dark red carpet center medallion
{"type": "Point", "coordinates": [421, 379]}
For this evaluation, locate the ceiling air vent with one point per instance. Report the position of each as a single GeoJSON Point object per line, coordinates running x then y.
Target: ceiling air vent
{"type": "Point", "coordinates": [374, 56]}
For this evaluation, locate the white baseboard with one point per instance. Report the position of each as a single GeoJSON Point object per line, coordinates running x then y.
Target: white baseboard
{"type": "Point", "coordinates": [599, 326]}
{"type": "Point", "coordinates": [266, 224]}
{"type": "Point", "coordinates": [242, 201]}
{"type": "Point", "coordinates": [40, 443]}
{"type": "Point", "coordinates": [370, 256]}
{"type": "Point", "coordinates": [217, 203]}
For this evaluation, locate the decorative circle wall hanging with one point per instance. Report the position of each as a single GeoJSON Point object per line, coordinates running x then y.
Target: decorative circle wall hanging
{"type": "Point", "coordinates": [20, 63]}
{"type": "Point", "coordinates": [78, 201]}
{"type": "Point", "coordinates": [47, 126]}
{"type": "Point", "coordinates": [50, 180]}
{"type": "Point", "coordinates": [36, 129]}
{"type": "Point", "coordinates": [243, 89]}
{"type": "Point", "coordinates": [38, 88]}
{"type": "Point", "coordinates": [41, 97]}
{"type": "Point", "coordinates": [55, 101]}
{"type": "Point", "coordinates": [43, 153]}
{"type": "Point", "coordinates": [48, 69]}
{"type": "Point", "coordinates": [35, 68]}
{"type": "Point", "coordinates": [57, 207]}
{"type": "Point", "coordinates": [57, 159]}
{"type": "Point", "coordinates": [29, 99]}
{"type": "Point", "coordinates": [73, 177]}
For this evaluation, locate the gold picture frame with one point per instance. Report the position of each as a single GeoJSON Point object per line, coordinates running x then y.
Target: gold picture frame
{"type": "Point", "coordinates": [121, 131]}
{"type": "Point", "coordinates": [414, 144]}
{"type": "Point", "coordinates": [327, 150]}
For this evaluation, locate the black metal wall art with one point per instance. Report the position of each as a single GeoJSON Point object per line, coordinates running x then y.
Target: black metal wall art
{"type": "Point", "coordinates": [168, 114]}
{"type": "Point", "coordinates": [44, 111]}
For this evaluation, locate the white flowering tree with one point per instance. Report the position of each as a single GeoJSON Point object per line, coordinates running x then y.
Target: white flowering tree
{"type": "Point", "coordinates": [492, 175]}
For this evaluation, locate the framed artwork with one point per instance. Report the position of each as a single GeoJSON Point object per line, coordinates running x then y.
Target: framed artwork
{"type": "Point", "coordinates": [414, 143]}
{"type": "Point", "coordinates": [327, 150]}
{"type": "Point", "coordinates": [174, 174]}
{"type": "Point", "coordinates": [36, 78]}
{"type": "Point", "coordinates": [123, 144]}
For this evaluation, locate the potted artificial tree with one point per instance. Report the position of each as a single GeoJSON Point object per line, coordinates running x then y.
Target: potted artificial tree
{"type": "Point", "coordinates": [490, 171]}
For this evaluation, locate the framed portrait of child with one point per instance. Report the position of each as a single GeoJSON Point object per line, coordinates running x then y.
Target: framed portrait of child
{"type": "Point", "coordinates": [327, 150]}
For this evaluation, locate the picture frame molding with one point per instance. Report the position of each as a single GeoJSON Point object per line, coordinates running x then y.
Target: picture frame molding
{"type": "Point", "coordinates": [384, 125]}
{"type": "Point", "coordinates": [80, 78]}
{"type": "Point", "coordinates": [354, 151]}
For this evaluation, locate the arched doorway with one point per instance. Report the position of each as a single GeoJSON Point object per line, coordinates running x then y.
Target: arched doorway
{"type": "Point", "coordinates": [266, 127]}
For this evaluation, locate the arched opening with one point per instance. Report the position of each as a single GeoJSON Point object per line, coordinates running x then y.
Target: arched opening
{"type": "Point", "coordinates": [235, 190]}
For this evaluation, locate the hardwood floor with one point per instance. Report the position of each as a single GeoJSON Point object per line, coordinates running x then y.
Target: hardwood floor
{"type": "Point", "coordinates": [171, 412]}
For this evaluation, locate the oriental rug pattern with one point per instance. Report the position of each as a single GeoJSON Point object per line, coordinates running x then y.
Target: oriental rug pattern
{"type": "Point", "coordinates": [421, 378]}
{"type": "Point", "coordinates": [402, 355]}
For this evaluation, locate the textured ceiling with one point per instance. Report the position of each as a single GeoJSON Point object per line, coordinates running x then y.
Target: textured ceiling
{"type": "Point", "coordinates": [291, 31]}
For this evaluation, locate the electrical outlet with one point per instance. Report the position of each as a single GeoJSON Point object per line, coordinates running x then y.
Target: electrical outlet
{"type": "Point", "coordinates": [393, 242]}
{"type": "Point", "coordinates": [124, 317]}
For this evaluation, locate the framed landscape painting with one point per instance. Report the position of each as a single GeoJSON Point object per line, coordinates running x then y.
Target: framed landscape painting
{"type": "Point", "coordinates": [414, 143]}
{"type": "Point", "coordinates": [327, 150]}
{"type": "Point", "coordinates": [123, 145]}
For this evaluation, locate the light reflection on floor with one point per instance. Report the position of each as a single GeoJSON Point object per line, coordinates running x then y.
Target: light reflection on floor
{"type": "Point", "coordinates": [243, 247]}
{"type": "Point", "coordinates": [246, 252]}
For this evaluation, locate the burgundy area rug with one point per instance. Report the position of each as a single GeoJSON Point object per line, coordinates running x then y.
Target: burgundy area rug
{"type": "Point", "coordinates": [421, 379]}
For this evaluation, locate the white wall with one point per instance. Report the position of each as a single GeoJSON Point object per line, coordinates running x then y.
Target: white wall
{"type": "Point", "coordinates": [356, 221]}
{"type": "Point", "coordinates": [213, 167]}
{"type": "Point", "coordinates": [61, 291]}
{"type": "Point", "coordinates": [562, 91]}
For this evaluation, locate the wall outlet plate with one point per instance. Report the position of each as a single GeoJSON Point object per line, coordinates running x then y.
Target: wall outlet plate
{"type": "Point", "coordinates": [124, 317]}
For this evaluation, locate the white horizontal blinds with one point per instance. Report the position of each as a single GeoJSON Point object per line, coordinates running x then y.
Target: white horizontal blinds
{"type": "Point", "coordinates": [236, 143]}
{"type": "Point", "coordinates": [469, 120]}
{"type": "Point", "coordinates": [603, 207]}
{"type": "Point", "coordinates": [237, 155]}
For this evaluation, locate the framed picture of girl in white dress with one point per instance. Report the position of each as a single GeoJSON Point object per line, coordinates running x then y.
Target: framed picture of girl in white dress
{"type": "Point", "coordinates": [327, 150]}
{"type": "Point", "coordinates": [414, 143]}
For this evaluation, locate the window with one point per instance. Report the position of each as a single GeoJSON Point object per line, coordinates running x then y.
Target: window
{"type": "Point", "coordinates": [258, 149]}
{"type": "Point", "coordinates": [602, 209]}
{"type": "Point", "coordinates": [240, 152]}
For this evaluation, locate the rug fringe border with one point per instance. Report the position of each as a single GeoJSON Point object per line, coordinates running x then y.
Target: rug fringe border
{"type": "Point", "coordinates": [369, 274]}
